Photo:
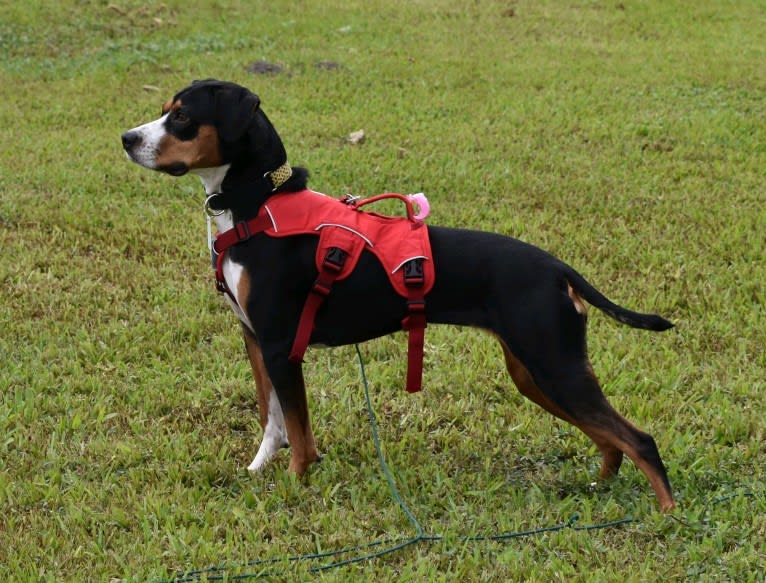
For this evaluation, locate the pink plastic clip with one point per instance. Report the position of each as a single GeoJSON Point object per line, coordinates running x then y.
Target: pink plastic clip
{"type": "Point", "coordinates": [421, 201]}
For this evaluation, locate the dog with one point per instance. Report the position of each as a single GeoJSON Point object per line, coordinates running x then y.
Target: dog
{"type": "Point", "coordinates": [533, 303]}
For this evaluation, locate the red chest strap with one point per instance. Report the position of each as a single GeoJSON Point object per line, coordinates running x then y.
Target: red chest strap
{"type": "Point", "coordinates": [239, 233]}
{"type": "Point", "coordinates": [414, 322]}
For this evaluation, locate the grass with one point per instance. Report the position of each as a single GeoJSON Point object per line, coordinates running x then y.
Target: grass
{"type": "Point", "coordinates": [627, 138]}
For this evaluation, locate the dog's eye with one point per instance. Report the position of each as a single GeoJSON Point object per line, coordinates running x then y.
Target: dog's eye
{"type": "Point", "coordinates": [180, 117]}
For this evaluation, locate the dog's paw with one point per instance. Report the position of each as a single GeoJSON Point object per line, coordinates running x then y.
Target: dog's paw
{"type": "Point", "coordinates": [268, 449]}
{"type": "Point", "coordinates": [259, 462]}
{"type": "Point", "coordinates": [256, 465]}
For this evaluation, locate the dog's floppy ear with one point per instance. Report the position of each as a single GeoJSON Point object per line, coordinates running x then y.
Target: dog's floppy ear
{"type": "Point", "coordinates": [235, 111]}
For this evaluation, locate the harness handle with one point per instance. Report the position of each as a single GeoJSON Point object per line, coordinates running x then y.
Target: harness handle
{"type": "Point", "coordinates": [411, 215]}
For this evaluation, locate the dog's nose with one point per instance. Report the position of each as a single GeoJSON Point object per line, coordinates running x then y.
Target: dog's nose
{"type": "Point", "coordinates": [130, 139]}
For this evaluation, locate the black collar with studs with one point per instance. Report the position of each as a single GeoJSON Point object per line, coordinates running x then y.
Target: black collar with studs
{"type": "Point", "coordinates": [244, 195]}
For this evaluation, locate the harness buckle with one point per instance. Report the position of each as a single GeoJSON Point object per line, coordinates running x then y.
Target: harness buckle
{"type": "Point", "coordinates": [321, 287]}
{"type": "Point", "coordinates": [413, 273]}
{"type": "Point", "coordinates": [334, 259]}
{"type": "Point", "coordinates": [220, 286]}
{"type": "Point", "coordinates": [243, 231]}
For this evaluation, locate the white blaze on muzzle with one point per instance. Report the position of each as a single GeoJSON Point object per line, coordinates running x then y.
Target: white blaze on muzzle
{"type": "Point", "coordinates": [146, 149]}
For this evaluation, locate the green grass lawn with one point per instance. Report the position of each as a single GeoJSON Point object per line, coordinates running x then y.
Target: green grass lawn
{"type": "Point", "coordinates": [628, 138]}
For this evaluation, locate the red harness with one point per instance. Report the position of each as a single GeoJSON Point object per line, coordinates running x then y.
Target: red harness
{"type": "Point", "coordinates": [400, 244]}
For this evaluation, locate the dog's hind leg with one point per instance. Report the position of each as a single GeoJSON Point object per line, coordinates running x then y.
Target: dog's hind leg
{"type": "Point", "coordinates": [579, 400]}
{"type": "Point", "coordinates": [269, 409]}
{"type": "Point", "coordinates": [580, 396]}
{"type": "Point", "coordinates": [611, 455]}
{"type": "Point", "coordinates": [554, 372]}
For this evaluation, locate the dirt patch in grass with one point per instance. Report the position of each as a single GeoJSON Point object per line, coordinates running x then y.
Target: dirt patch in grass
{"type": "Point", "coordinates": [264, 68]}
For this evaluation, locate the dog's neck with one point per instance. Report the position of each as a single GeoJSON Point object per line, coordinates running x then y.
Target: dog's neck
{"type": "Point", "coordinates": [212, 178]}
{"type": "Point", "coordinates": [242, 190]}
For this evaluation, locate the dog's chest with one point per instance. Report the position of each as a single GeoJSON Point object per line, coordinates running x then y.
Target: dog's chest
{"type": "Point", "coordinates": [234, 273]}
{"type": "Point", "coordinates": [237, 279]}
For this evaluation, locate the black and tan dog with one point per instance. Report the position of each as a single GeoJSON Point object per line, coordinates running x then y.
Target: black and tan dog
{"type": "Point", "coordinates": [530, 301]}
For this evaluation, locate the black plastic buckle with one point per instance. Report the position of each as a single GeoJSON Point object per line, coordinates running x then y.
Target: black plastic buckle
{"type": "Point", "coordinates": [413, 273]}
{"type": "Point", "coordinates": [334, 259]}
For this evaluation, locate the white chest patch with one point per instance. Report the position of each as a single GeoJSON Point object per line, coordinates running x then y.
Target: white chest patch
{"type": "Point", "coordinates": [232, 274]}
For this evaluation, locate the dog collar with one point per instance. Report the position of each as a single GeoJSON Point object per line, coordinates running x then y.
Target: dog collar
{"type": "Point", "coordinates": [279, 176]}
{"type": "Point", "coordinates": [243, 189]}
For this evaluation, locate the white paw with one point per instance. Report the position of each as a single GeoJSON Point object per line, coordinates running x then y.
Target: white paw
{"type": "Point", "coordinates": [274, 435]}
{"type": "Point", "coordinates": [263, 457]}
{"type": "Point", "coordinates": [272, 442]}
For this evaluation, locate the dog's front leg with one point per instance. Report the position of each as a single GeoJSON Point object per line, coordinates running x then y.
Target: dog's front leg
{"type": "Point", "coordinates": [269, 409]}
{"type": "Point", "coordinates": [287, 379]}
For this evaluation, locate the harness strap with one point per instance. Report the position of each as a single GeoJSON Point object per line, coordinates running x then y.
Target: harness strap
{"type": "Point", "coordinates": [332, 265]}
{"type": "Point", "coordinates": [241, 232]}
{"type": "Point", "coordinates": [220, 280]}
{"type": "Point", "coordinates": [415, 323]}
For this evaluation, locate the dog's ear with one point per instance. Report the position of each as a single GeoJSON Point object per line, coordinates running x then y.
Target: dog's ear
{"type": "Point", "coordinates": [235, 111]}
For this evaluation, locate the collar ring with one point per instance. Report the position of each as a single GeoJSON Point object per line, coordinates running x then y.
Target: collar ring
{"type": "Point", "coordinates": [209, 211]}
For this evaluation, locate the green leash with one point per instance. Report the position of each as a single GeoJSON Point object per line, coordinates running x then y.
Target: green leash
{"type": "Point", "coordinates": [219, 573]}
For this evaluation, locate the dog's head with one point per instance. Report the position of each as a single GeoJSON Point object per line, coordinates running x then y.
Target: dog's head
{"type": "Point", "coordinates": [206, 125]}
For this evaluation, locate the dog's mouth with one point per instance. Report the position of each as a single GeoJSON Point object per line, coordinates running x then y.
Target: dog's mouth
{"type": "Point", "coordinates": [140, 158]}
{"type": "Point", "coordinates": [175, 169]}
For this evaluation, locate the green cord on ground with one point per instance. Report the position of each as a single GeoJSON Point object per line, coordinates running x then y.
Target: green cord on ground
{"type": "Point", "coordinates": [219, 573]}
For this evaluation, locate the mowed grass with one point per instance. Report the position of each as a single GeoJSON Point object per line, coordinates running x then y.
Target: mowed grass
{"type": "Point", "coordinates": [627, 138]}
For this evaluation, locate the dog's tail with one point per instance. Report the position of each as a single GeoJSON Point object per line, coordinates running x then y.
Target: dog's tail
{"type": "Point", "coordinates": [599, 300]}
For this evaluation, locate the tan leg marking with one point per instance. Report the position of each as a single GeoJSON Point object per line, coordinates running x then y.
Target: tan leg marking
{"type": "Point", "coordinates": [303, 449]}
{"type": "Point", "coordinates": [664, 496]}
{"type": "Point", "coordinates": [262, 382]}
